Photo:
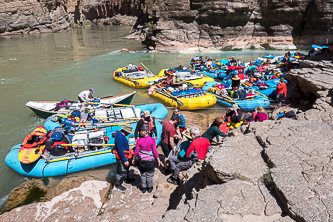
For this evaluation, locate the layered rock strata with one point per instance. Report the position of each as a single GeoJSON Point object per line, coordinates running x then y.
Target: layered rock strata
{"type": "Point", "coordinates": [313, 89]}
{"type": "Point", "coordinates": [238, 24]}
{"type": "Point", "coordinates": [187, 24]}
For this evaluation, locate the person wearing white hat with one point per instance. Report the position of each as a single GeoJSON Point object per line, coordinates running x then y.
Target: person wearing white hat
{"type": "Point", "coordinates": [235, 114]}
{"type": "Point", "coordinates": [146, 120]}
{"type": "Point", "coordinates": [86, 95]}
{"type": "Point", "coordinates": [123, 153]}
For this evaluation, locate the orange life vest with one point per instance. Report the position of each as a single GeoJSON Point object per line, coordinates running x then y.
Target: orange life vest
{"type": "Point", "coordinates": [31, 141]}
{"type": "Point", "coordinates": [128, 154]}
{"type": "Point", "coordinates": [150, 124]}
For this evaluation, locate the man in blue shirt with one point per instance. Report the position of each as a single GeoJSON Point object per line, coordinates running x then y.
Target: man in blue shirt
{"type": "Point", "coordinates": [123, 153]}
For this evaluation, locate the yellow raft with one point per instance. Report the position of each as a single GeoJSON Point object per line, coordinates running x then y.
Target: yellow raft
{"type": "Point", "coordinates": [135, 76]}
{"type": "Point", "coordinates": [198, 80]}
{"type": "Point", "coordinates": [191, 100]}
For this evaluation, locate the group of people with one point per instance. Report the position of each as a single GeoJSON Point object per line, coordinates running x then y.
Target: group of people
{"type": "Point", "coordinates": [177, 155]}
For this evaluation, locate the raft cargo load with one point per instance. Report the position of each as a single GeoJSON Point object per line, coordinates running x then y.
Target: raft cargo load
{"type": "Point", "coordinates": [188, 99]}
{"type": "Point", "coordinates": [114, 116]}
{"type": "Point", "coordinates": [48, 108]}
{"type": "Point", "coordinates": [187, 75]}
{"type": "Point", "coordinates": [135, 76]}
{"type": "Point", "coordinates": [82, 150]}
{"type": "Point", "coordinates": [249, 102]}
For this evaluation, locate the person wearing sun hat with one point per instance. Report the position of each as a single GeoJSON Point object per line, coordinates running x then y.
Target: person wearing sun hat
{"type": "Point", "coordinates": [235, 82]}
{"type": "Point", "coordinates": [146, 120]}
{"type": "Point", "coordinates": [261, 114]}
{"type": "Point", "coordinates": [235, 114]}
{"type": "Point", "coordinates": [86, 95]}
{"type": "Point", "coordinates": [123, 153]}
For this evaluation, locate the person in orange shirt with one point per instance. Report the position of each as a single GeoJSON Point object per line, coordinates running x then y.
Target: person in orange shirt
{"type": "Point", "coordinates": [281, 90]}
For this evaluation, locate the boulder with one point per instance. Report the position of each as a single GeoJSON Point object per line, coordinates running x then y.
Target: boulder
{"type": "Point", "coordinates": [236, 200]}
{"type": "Point", "coordinates": [78, 204]}
{"type": "Point", "coordinates": [299, 154]}
{"type": "Point", "coordinates": [238, 157]}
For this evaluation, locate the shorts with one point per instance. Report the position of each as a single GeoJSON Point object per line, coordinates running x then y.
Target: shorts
{"type": "Point", "coordinates": [166, 148]}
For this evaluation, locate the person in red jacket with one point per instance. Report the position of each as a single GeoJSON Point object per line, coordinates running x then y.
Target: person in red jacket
{"type": "Point", "coordinates": [197, 150]}
{"type": "Point", "coordinates": [281, 90]}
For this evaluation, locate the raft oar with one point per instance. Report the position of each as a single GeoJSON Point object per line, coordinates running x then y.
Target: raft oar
{"type": "Point", "coordinates": [91, 144]}
{"type": "Point", "coordinates": [235, 103]}
{"type": "Point", "coordinates": [116, 104]}
{"type": "Point", "coordinates": [169, 96]}
{"type": "Point", "coordinates": [255, 90]}
{"type": "Point", "coordinates": [147, 69]}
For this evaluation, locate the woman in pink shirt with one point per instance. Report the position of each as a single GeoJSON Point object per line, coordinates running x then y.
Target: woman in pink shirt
{"type": "Point", "coordinates": [146, 149]}
{"type": "Point", "coordinates": [261, 114]}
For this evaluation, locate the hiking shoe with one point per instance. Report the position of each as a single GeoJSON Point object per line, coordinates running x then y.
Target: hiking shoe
{"type": "Point", "coordinates": [129, 180]}
{"type": "Point", "coordinates": [150, 189]}
{"type": "Point", "coordinates": [120, 187]}
{"type": "Point", "coordinates": [172, 180]}
{"type": "Point", "coordinates": [144, 190]}
{"type": "Point", "coordinates": [167, 172]}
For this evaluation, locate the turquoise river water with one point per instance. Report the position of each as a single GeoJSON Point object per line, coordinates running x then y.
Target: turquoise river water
{"type": "Point", "coordinates": [58, 66]}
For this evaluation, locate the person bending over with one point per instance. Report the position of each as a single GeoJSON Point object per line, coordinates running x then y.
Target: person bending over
{"type": "Point", "coordinates": [214, 131]}
{"type": "Point", "coordinates": [197, 150]}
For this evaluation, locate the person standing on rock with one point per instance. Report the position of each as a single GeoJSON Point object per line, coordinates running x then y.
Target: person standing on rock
{"type": "Point", "coordinates": [281, 90]}
{"type": "Point", "coordinates": [167, 138]}
{"type": "Point", "coordinates": [146, 120]}
{"type": "Point", "coordinates": [146, 149]}
{"type": "Point", "coordinates": [123, 153]}
{"type": "Point", "coordinates": [214, 131]}
{"type": "Point", "coordinates": [197, 150]}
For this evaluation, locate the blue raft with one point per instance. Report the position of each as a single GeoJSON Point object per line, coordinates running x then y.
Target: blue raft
{"type": "Point", "coordinates": [249, 104]}
{"type": "Point", "coordinates": [75, 162]}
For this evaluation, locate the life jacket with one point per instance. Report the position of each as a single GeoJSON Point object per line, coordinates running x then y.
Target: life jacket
{"type": "Point", "coordinates": [220, 86]}
{"type": "Point", "coordinates": [128, 154]}
{"type": "Point", "coordinates": [150, 125]}
{"type": "Point", "coordinates": [37, 137]}
{"type": "Point", "coordinates": [166, 81]}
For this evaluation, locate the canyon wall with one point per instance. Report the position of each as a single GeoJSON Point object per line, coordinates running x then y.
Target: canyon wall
{"type": "Point", "coordinates": [170, 24]}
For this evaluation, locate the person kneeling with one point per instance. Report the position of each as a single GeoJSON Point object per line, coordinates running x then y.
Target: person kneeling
{"type": "Point", "coordinates": [197, 150]}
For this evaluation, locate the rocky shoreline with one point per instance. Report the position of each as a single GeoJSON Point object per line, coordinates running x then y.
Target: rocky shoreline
{"type": "Point", "coordinates": [277, 170]}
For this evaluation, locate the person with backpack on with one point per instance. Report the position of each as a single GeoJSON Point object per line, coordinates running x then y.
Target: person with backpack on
{"type": "Point", "coordinates": [146, 120]}
{"type": "Point", "coordinates": [123, 154]}
{"type": "Point", "coordinates": [196, 151]}
{"type": "Point", "coordinates": [214, 131]}
{"type": "Point", "coordinates": [86, 95]}
{"type": "Point", "coordinates": [167, 138]}
{"type": "Point", "coordinates": [146, 149]}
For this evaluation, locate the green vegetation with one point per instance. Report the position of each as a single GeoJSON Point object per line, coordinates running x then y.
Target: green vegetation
{"type": "Point", "coordinates": [268, 180]}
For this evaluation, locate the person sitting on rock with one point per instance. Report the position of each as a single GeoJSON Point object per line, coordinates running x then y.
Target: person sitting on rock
{"type": "Point", "coordinates": [261, 114]}
{"type": "Point", "coordinates": [281, 91]}
{"type": "Point", "coordinates": [235, 116]}
{"type": "Point", "coordinates": [197, 151]}
{"type": "Point", "coordinates": [214, 131]}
